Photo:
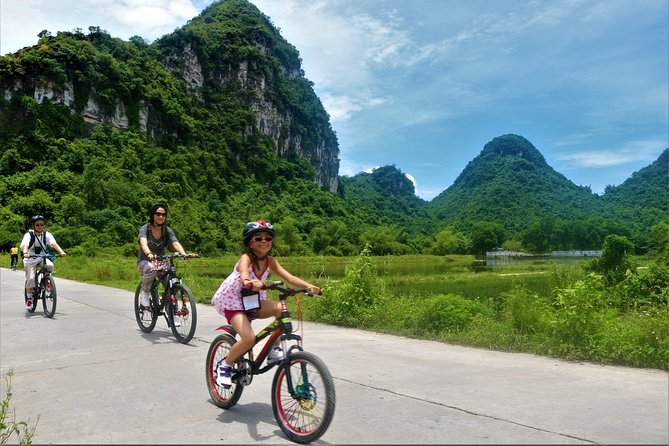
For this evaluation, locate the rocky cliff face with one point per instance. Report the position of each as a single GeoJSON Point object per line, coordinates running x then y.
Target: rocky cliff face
{"type": "Point", "coordinates": [260, 77]}
{"type": "Point", "coordinates": [269, 120]}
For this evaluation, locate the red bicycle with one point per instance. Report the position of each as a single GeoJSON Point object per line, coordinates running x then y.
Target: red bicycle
{"type": "Point", "coordinates": [303, 393]}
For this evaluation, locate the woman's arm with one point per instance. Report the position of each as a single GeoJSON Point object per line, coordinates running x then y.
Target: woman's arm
{"type": "Point", "coordinates": [178, 248]}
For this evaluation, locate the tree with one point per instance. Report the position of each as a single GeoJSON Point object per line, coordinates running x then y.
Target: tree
{"type": "Point", "coordinates": [614, 262]}
{"type": "Point", "coordinates": [487, 235]}
{"type": "Point", "coordinates": [450, 241]}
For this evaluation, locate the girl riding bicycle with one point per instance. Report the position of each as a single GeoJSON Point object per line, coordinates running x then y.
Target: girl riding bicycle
{"type": "Point", "coordinates": [249, 274]}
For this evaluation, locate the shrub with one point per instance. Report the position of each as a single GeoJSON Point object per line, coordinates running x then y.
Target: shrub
{"type": "Point", "coordinates": [576, 315]}
{"type": "Point", "coordinates": [614, 262]}
{"type": "Point", "coordinates": [444, 313]}
{"type": "Point", "coordinates": [527, 312]}
{"type": "Point", "coordinates": [9, 427]}
{"type": "Point", "coordinates": [354, 300]}
{"type": "Point", "coordinates": [638, 339]}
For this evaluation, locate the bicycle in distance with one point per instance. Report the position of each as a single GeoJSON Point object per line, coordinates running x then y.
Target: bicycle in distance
{"type": "Point", "coordinates": [176, 303]}
{"type": "Point", "coordinates": [303, 393]}
{"type": "Point", "coordinates": [45, 286]}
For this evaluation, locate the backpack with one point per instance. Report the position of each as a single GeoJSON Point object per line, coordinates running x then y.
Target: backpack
{"type": "Point", "coordinates": [32, 242]}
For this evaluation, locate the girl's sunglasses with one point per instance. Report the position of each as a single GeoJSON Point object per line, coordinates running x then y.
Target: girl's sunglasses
{"type": "Point", "coordinates": [259, 238]}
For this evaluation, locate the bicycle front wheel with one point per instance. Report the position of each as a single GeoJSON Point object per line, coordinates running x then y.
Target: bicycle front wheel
{"type": "Point", "coordinates": [146, 317]}
{"type": "Point", "coordinates": [182, 313]}
{"type": "Point", "coordinates": [222, 397]}
{"type": "Point", "coordinates": [49, 296]}
{"type": "Point", "coordinates": [304, 415]}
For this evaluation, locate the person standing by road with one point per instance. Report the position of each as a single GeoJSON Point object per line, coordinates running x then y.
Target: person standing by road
{"type": "Point", "coordinates": [36, 241]}
{"type": "Point", "coordinates": [153, 238]}
{"type": "Point", "coordinates": [14, 254]}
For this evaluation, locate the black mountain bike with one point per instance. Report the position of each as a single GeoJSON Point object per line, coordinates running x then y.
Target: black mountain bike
{"type": "Point", "coordinates": [303, 392]}
{"type": "Point", "coordinates": [176, 304]}
{"type": "Point", "coordinates": [44, 288]}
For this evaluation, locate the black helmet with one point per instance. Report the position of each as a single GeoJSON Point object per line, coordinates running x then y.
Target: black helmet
{"type": "Point", "coordinates": [37, 217]}
{"type": "Point", "coordinates": [253, 227]}
{"type": "Point", "coordinates": [154, 207]}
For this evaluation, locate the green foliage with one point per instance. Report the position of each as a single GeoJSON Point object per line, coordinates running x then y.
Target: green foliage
{"type": "Point", "coordinates": [206, 144]}
{"type": "Point", "coordinates": [354, 300]}
{"type": "Point", "coordinates": [614, 263]}
{"type": "Point", "coordinates": [577, 314]}
{"type": "Point", "coordinates": [444, 313]}
{"type": "Point", "coordinates": [450, 241]}
{"type": "Point", "coordinates": [9, 426]}
{"type": "Point", "coordinates": [486, 236]}
{"type": "Point", "coordinates": [527, 312]}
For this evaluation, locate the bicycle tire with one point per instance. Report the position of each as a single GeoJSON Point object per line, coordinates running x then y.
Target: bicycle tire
{"type": "Point", "coordinates": [146, 318]}
{"type": "Point", "coordinates": [304, 418]}
{"type": "Point", "coordinates": [49, 296]}
{"type": "Point", "coordinates": [185, 310]}
{"type": "Point", "coordinates": [219, 348]}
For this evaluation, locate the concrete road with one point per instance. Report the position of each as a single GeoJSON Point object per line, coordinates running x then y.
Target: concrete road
{"type": "Point", "coordinates": [89, 376]}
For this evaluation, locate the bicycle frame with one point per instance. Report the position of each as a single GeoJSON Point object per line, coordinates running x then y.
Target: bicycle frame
{"type": "Point", "coordinates": [282, 328]}
{"type": "Point", "coordinates": [40, 272]}
{"type": "Point", "coordinates": [176, 304]}
{"type": "Point", "coordinates": [303, 393]}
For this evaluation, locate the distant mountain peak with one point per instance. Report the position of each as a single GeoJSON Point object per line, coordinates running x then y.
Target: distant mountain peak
{"type": "Point", "coordinates": [513, 145]}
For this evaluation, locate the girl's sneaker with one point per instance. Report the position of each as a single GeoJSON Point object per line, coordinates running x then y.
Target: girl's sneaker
{"type": "Point", "coordinates": [275, 355]}
{"type": "Point", "coordinates": [224, 376]}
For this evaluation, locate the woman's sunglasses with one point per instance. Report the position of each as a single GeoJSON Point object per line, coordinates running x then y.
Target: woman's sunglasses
{"type": "Point", "coordinates": [260, 238]}
{"type": "Point", "coordinates": [160, 214]}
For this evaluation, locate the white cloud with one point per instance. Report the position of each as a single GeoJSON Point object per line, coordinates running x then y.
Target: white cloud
{"type": "Point", "coordinates": [22, 20]}
{"type": "Point", "coordinates": [631, 152]}
{"type": "Point", "coordinates": [146, 15]}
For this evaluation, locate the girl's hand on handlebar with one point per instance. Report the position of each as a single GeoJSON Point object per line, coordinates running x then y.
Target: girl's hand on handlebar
{"type": "Point", "coordinates": [314, 290]}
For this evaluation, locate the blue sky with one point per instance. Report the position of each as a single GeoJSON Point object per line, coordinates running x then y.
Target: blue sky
{"type": "Point", "coordinates": [425, 84]}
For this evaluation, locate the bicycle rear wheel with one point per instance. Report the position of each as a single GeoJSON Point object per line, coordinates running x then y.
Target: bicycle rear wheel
{"type": "Point", "coordinates": [49, 296]}
{"type": "Point", "coordinates": [305, 415]}
{"type": "Point", "coordinates": [146, 317]}
{"type": "Point", "coordinates": [182, 313]}
{"type": "Point", "coordinates": [219, 348]}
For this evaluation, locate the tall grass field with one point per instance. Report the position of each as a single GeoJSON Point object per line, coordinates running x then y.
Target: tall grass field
{"type": "Point", "coordinates": [562, 310]}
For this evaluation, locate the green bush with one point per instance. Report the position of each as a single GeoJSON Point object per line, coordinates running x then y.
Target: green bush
{"type": "Point", "coordinates": [577, 313]}
{"type": "Point", "coordinates": [638, 339]}
{"type": "Point", "coordinates": [527, 312]}
{"type": "Point", "coordinates": [354, 300]}
{"type": "Point", "coordinates": [446, 313]}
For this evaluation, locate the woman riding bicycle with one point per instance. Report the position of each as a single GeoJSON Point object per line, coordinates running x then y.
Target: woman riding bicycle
{"type": "Point", "coordinates": [153, 238]}
{"type": "Point", "coordinates": [249, 273]}
{"type": "Point", "coordinates": [34, 242]}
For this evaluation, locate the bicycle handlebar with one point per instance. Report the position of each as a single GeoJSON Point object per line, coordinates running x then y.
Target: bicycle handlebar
{"type": "Point", "coordinates": [286, 291]}
{"type": "Point", "coordinates": [44, 256]}
{"type": "Point", "coordinates": [176, 255]}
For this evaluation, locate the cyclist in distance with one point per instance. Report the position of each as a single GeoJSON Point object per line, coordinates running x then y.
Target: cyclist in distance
{"type": "Point", "coordinates": [36, 241]}
{"type": "Point", "coordinates": [153, 238]}
{"type": "Point", "coordinates": [14, 254]}
{"type": "Point", "coordinates": [247, 278]}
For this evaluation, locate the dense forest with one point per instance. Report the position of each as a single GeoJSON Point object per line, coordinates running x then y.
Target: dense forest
{"type": "Point", "coordinates": [218, 120]}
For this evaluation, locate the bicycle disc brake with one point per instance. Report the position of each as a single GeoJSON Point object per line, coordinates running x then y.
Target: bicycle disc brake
{"type": "Point", "coordinates": [244, 374]}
